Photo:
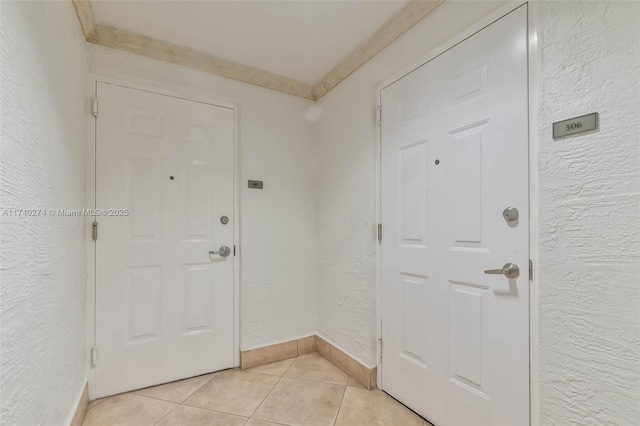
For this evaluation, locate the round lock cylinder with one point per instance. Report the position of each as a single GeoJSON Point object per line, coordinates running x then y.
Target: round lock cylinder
{"type": "Point", "coordinates": [510, 214]}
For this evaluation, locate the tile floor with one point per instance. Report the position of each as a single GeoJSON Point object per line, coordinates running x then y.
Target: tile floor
{"type": "Point", "coordinates": [307, 390]}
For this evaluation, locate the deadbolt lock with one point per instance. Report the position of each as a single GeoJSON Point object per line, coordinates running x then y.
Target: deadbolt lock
{"type": "Point", "coordinates": [510, 214]}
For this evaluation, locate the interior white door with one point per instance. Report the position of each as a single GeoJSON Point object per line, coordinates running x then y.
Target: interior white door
{"type": "Point", "coordinates": [164, 307]}
{"type": "Point", "coordinates": [454, 156]}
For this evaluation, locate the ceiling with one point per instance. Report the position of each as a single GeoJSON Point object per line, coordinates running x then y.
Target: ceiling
{"type": "Point", "coordinates": [299, 39]}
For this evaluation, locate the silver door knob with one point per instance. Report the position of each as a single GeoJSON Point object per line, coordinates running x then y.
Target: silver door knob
{"type": "Point", "coordinates": [224, 251]}
{"type": "Point", "coordinates": [510, 214]}
{"type": "Point", "coordinates": [509, 270]}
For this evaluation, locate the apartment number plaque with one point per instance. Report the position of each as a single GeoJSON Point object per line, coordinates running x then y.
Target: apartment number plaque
{"type": "Point", "coordinates": [574, 126]}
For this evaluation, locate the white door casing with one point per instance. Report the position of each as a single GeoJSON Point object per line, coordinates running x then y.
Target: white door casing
{"type": "Point", "coordinates": [164, 309]}
{"type": "Point", "coordinates": [454, 154]}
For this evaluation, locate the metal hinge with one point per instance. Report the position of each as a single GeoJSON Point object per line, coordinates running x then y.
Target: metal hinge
{"type": "Point", "coordinates": [94, 233]}
{"type": "Point", "coordinates": [380, 343]}
{"type": "Point", "coordinates": [379, 233]}
{"type": "Point", "coordinates": [530, 270]}
{"type": "Point", "coordinates": [94, 356]}
{"type": "Point", "coordinates": [379, 115]}
{"type": "Point", "coordinates": [234, 250]}
{"type": "Point", "coordinates": [95, 108]}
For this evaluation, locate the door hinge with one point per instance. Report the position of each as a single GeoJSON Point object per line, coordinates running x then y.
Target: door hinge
{"type": "Point", "coordinates": [234, 250]}
{"type": "Point", "coordinates": [379, 233]}
{"type": "Point", "coordinates": [380, 343]}
{"type": "Point", "coordinates": [94, 356]}
{"type": "Point", "coordinates": [379, 115]}
{"type": "Point", "coordinates": [95, 108]}
{"type": "Point", "coordinates": [530, 270]}
{"type": "Point", "coordinates": [94, 231]}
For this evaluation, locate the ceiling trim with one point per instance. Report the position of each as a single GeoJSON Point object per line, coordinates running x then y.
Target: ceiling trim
{"type": "Point", "coordinates": [84, 12]}
{"type": "Point", "coordinates": [402, 22]}
{"type": "Point", "coordinates": [153, 48]}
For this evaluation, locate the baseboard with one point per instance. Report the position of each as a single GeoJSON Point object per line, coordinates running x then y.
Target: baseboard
{"type": "Point", "coordinates": [81, 408]}
{"type": "Point", "coordinates": [277, 352]}
{"type": "Point", "coordinates": [364, 375]}
{"type": "Point", "coordinates": [267, 354]}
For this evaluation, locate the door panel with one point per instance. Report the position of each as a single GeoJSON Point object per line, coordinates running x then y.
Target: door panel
{"type": "Point", "coordinates": [454, 155]}
{"type": "Point", "coordinates": [164, 309]}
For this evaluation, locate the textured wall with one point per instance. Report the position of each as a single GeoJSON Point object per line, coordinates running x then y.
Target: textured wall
{"type": "Point", "coordinates": [278, 232]}
{"type": "Point", "coordinates": [346, 149]}
{"type": "Point", "coordinates": [589, 271]}
{"type": "Point", "coordinates": [42, 259]}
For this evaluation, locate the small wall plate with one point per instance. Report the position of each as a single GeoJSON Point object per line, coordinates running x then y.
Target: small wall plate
{"type": "Point", "coordinates": [256, 184]}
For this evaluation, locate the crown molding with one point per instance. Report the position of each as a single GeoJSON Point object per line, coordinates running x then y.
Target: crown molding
{"type": "Point", "coordinates": [84, 12]}
{"type": "Point", "coordinates": [138, 44]}
{"type": "Point", "coordinates": [153, 48]}
{"type": "Point", "coordinates": [402, 22]}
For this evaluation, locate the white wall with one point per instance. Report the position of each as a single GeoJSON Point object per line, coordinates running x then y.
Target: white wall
{"type": "Point", "coordinates": [589, 231]}
{"type": "Point", "coordinates": [42, 264]}
{"type": "Point", "coordinates": [346, 149]}
{"type": "Point", "coordinates": [278, 232]}
{"type": "Point", "coordinates": [589, 236]}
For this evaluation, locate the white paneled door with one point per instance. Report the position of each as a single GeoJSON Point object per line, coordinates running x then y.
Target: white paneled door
{"type": "Point", "coordinates": [454, 157]}
{"type": "Point", "coordinates": [164, 306]}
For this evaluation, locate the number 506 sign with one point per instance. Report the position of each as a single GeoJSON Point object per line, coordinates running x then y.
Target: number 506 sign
{"type": "Point", "coordinates": [573, 126]}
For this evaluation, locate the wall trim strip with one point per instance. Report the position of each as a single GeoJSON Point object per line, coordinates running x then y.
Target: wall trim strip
{"type": "Point", "coordinates": [402, 22]}
{"type": "Point", "coordinates": [81, 408]}
{"type": "Point", "coordinates": [153, 48]}
{"type": "Point", "coordinates": [167, 52]}
{"type": "Point", "coordinates": [267, 354]}
{"type": "Point", "coordinates": [84, 12]}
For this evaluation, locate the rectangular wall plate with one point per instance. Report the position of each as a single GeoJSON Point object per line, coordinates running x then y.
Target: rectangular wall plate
{"type": "Point", "coordinates": [574, 126]}
{"type": "Point", "coordinates": [256, 184]}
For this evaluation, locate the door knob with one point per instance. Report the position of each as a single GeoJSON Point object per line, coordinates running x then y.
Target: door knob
{"type": "Point", "coordinates": [509, 270]}
{"type": "Point", "coordinates": [510, 214]}
{"type": "Point", "coordinates": [223, 251]}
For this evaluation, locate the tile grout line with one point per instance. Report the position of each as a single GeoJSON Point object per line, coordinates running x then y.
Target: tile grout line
{"type": "Point", "coordinates": [201, 386]}
{"type": "Point", "coordinates": [134, 392]}
{"type": "Point", "coordinates": [274, 386]}
{"type": "Point", "coordinates": [163, 417]}
{"type": "Point", "coordinates": [340, 406]}
{"type": "Point", "coordinates": [214, 411]}
{"type": "Point", "coordinates": [178, 404]}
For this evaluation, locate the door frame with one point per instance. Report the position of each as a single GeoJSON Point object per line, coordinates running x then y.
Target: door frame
{"type": "Point", "coordinates": [533, 67]}
{"type": "Point", "coordinates": [90, 311]}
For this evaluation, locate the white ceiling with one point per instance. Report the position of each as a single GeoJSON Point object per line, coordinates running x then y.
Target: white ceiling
{"type": "Point", "coordinates": [299, 39]}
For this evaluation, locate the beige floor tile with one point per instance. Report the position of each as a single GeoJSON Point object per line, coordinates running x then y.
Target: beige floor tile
{"type": "Point", "coordinates": [95, 403]}
{"type": "Point", "coordinates": [128, 409]}
{"type": "Point", "coordinates": [374, 407]}
{"type": "Point", "coordinates": [234, 392]}
{"type": "Point", "coordinates": [314, 367]}
{"type": "Point", "coordinates": [176, 391]}
{"type": "Point", "coordinates": [256, 422]}
{"type": "Point", "coordinates": [275, 368]}
{"type": "Point", "coordinates": [354, 383]}
{"type": "Point", "coordinates": [191, 416]}
{"type": "Point", "coordinates": [301, 402]}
